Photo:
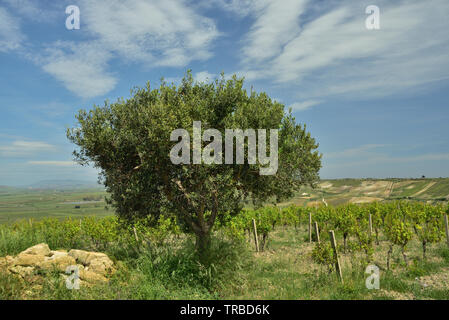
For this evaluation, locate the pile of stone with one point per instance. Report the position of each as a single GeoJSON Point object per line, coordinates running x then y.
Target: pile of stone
{"type": "Point", "coordinates": [33, 263]}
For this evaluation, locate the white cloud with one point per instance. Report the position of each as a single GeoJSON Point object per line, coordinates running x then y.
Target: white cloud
{"type": "Point", "coordinates": [53, 163]}
{"type": "Point", "coordinates": [276, 25]}
{"type": "Point", "coordinates": [387, 159]}
{"type": "Point", "coordinates": [10, 35]}
{"type": "Point", "coordinates": [304, 105]}
{"type": "Point", "coordinates": [335, 54]}
{"type": "Point", "coordinates": [80, 67]}
{"type": "Point", "coordinates": [426, 157]}
{"type": "Point", "coordinates": [363, 150]}
{"type": "Point", "coordinates": [154, 34]}
{"type": "Point", "coordinates": [175, 80]}
{"type": "Point", "coordinates": [376, 154]}
{"type": "Point", "coordinates": [239, 8]}
{"type": "Point", "coordinates": [52, 109]}
{"type": "Point", "coordinates": [20, 148]}
{"type": "Point", "coordinates": [20, 173]}
{"type": "Point", "coordinates": [204, 76]}
{"type": "Point", "coordinates": [33, 10]}
{"type": "Point", "coordinates": [159, 33]}
{"type": "Point", "coordinates": [383, 160]}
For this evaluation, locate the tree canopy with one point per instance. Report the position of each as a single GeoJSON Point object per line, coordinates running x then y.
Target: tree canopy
{"type": "Point", "coordinates": [129, 140]}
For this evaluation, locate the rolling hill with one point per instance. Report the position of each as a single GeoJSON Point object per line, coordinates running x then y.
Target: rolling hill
{"type": "Point", "coordinates": [368, 190]}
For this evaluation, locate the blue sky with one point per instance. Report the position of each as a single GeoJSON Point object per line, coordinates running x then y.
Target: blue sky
{"type": "Point", "coordinates": [375, 100]}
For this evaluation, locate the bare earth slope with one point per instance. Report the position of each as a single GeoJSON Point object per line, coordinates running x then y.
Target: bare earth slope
{"type": "Point", "coordinates": [369, 190]}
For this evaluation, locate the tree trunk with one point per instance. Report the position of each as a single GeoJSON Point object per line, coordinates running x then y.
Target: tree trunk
{"type": "Point", "coordinates": [345, 236]}
{"type": "Point", "coordinates": [264, 240]}
{"type": "Point", "coordinates": [390, 251]}
{"type": "Point", "coordinates": [424, 243]}
{"type": "Point", "coordinates": [405, 256]}
{"type": "Point", "coordinates": [202, 245]}
{"type": "Point", "coordinates": [377, 236]}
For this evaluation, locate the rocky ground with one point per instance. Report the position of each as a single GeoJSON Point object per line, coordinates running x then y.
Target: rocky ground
{"type": "Point", "coordinates": [34, 263]}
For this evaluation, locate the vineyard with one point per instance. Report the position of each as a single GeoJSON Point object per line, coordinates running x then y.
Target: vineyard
{"type": "Point", "coordinates": [359, 227]}
{"type": "Point", "coordinates": [406, 240]}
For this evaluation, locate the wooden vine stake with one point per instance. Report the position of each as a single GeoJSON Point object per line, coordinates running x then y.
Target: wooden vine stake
{"type": "Point", "coordinates": [317, 231]}
{"type": "Point", "coordinates": [310, 227]}
{"type": "Point", "coordinates": [256, 241]}
{"type": "Point", "coordinates": [370, 225]}
{"type": "Point", "coordinates": [447, 229]}
{"type": "Point", "coordinates": [135, 235]}
{"type": "Point", "coordinates": [337, 260]}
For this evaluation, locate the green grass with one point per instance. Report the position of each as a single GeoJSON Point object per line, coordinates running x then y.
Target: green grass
{"type": "Point", "coordinates": [285, 270]}
{"type": "Point", "coordinates": [440, 189]}
{"type": "Point", "coordinates": [18, 204]}
{"type": "Point", "coordinates": [336, 195]}
{"type": "Point", "coordinates": [169, 271]}
{"type": "Point", "coordinates": [406, 192]}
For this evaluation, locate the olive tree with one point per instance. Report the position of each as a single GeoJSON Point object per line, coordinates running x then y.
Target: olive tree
{"type": "Point", "coordinates": [131, 140]}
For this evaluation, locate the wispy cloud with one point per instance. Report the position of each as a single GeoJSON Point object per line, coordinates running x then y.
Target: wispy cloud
{"type": "Point", "coordinates": [238, 8]}
{"type": "Point", "coordinates": [376, 154]}
{"type": "Point", "coordinates": [387, 159]}
{"type": "Point", "coordinates": [20, 173]}
{"type": "Point", "coordinates": [334, 54]}
{"type": "Point", "coordinates": [81, 67]}
{"type": "Point", "coordinates": [304, 105]}
{"type": "Point", "coordinates": [382, 160]}
{"type": "Point", "coordinates": [20, 148]}
{"type": "Point", "coordinates": [154, 34]}
{"type": "Point", "coordinates": [11, 36]}
{"type": "Point", "coordinates": [365, 150]}
{"type": "Point", "coordinates": [52, 109]}
{"type": "Point", "coordinates": [163, 33]}
{"type": "Point", "coordinates": [275, 26]}
{"type": "Point", "coordinates": [204, 76]}
{"type": "Point", "coordinates": [53, 163]}
{"type": "Point", "coordinates": [33, 10]}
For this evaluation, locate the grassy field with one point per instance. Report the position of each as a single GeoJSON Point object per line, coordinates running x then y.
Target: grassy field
{"type": "Point", "coordinates": [342, 191]}
{"type": "Point", "coordinates": [16, 204]}
{"type": "Point", "coordinates": [285, 270]}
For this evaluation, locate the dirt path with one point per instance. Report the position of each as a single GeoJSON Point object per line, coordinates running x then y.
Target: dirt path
{"type": "Point", "coordinates": [423, 189]}
{"type": "Point", "coordinates": [389, 189]}
{"type": "Point", "coordinates": [438, 280]}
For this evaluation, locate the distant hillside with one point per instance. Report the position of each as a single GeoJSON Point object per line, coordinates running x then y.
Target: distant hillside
{"type": "Point", "coordinates": [64, 185]}
{"type": "Point", "coordinates": [7, 189]}
{"type": "Point", "coordinates": [368, 190]}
